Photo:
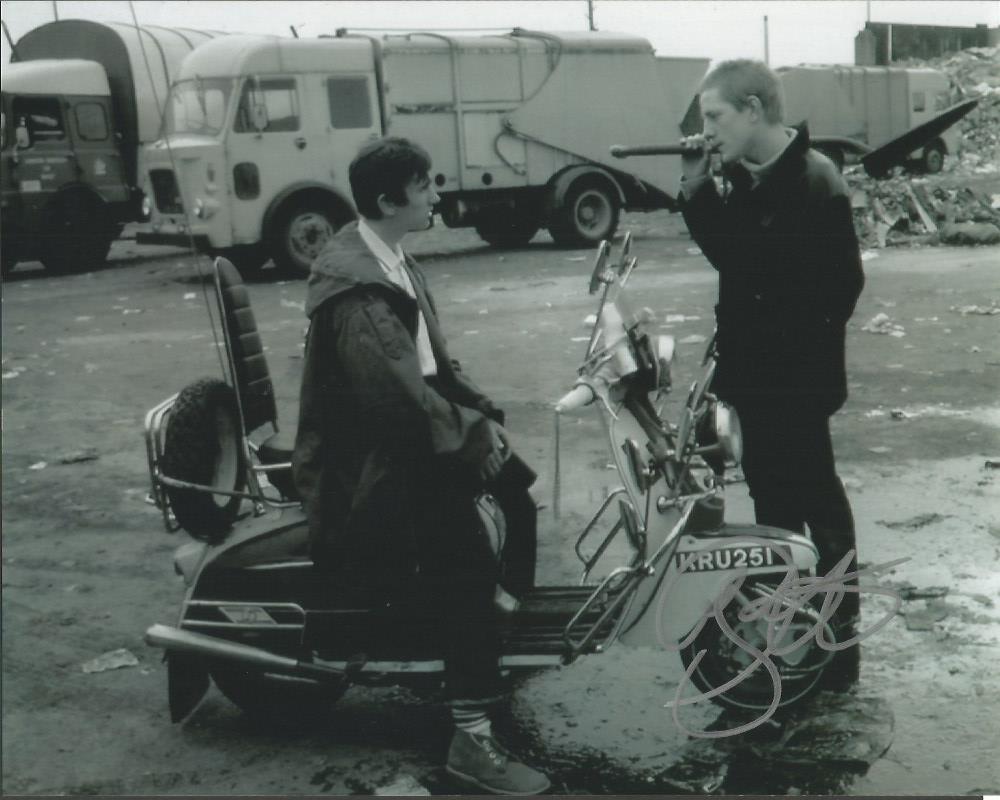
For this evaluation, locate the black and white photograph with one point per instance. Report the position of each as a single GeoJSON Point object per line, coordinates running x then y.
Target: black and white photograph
{"type": "Point", "coordinates": [470, 398]}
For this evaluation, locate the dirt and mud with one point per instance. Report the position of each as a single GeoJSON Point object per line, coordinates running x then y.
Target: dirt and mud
{"type": "Point", "coordinates": [87, 566]}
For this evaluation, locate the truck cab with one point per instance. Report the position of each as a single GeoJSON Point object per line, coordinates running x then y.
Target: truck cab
{"type": "Point", "coordinates": [61, 163]}
{"type": "Point", "coordinates": [253, 157]}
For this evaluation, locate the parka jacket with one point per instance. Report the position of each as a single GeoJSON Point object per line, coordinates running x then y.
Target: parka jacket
{"type": "Point", "coordinates": [369, 423]}
{"type": "Point", "coordinates": [789, 277]}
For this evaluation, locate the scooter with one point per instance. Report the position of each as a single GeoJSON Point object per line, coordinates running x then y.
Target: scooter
{"type": "Point", "coordinates": [274, 634]}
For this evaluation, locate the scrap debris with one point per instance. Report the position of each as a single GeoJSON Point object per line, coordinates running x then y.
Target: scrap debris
{"type": "Point", "coordinates": [882, 323]}
{"type": "Point", "coordinates": [916, 210]}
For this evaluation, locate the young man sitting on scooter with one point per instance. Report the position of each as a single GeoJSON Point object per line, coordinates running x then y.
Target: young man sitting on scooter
{"type": "Point", "coordinates": [395, 443]}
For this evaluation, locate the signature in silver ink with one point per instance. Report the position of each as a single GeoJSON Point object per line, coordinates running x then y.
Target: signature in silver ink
{"type": "Point", "coordinates": [778, 609]}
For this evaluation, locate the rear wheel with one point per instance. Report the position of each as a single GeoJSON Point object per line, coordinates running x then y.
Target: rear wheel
{"type": "Point", "coordinates": [77, 233]}
{"type": "Point", "coordinates": [588, 214]}
{"type": "Point", "coordinates": [274, 698]}
{"type": "Point", "coordinates": [203, 445]}
{"type": "Point", "coordinates": [725, 659]}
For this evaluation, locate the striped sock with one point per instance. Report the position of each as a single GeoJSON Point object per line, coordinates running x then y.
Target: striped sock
{"type": "Point", "coordinates": [472, 720]}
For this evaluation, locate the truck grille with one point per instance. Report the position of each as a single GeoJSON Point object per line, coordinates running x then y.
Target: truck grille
{"type": "Point", "coordinates": [165, 193]}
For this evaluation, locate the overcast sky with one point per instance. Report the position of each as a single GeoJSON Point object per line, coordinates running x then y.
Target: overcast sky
{"type": "Point", "coordinates": [817, 31]}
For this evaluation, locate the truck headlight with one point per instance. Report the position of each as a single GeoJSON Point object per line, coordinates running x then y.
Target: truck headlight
{"type": "Point", "coordinates": [204, 209]}
{"type": "Point", "coordinates": [146, 208]}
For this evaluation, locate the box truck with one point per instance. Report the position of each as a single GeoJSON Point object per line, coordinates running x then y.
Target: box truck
{"type": "Point", "coordinates": [260, 132]}
{"type": "Point", "coordinates": [79, 99]}
{"type": "Point", "coordinates": [847, 106]}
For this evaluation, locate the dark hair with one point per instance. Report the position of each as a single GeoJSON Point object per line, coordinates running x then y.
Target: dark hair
{"type": "Point", "coordinates": [386, 166]}
{"type": "Point", "coordinates": [740, 78]}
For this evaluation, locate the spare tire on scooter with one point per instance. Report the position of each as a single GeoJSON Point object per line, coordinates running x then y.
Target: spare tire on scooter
{"type": "Point", "coordinates": [203, 445]}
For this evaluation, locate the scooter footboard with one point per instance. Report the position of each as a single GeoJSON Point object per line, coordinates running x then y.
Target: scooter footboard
{"type": "Point", "coordinates": [698, 570]}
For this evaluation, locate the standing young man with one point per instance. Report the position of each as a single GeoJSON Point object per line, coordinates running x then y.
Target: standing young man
{"type": "Point", "coordinates": [394, 443]}
{"type": "Point", "coordinates": [783, 241]}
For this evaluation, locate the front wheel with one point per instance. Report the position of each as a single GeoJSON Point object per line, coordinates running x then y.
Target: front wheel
{"type": "Point", "coordinates": [299, 235]}
{"type": "Point", "coordinates": [281, 699]}
{"type": "Point", "coordinates": [725, 659]}
{"type": "Point", "coordinates": [77, 234]}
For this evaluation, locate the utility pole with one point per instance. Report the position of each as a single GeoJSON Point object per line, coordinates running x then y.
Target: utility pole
{"type": "Point", "coordinates": [55, 10]}
{"type": "Point", "coordinates": [590, 14]}
{"type": "Point", "coordinates": [767, 47]}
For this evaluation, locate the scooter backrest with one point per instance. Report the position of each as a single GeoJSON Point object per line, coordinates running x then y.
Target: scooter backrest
{"type": "Point", "coordinates": [244, 348]}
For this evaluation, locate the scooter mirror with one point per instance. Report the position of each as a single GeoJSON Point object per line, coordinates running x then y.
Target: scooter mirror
{"type": "Point", "coordinates": [630, 520]}
{"type": "Point", "coordinates": [600, 263]}
{"type": "Point", "coordinates": [640, 472]}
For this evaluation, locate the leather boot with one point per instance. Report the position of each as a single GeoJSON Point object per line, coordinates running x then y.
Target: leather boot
{"type": "Point", "coordinates": [482, 762]}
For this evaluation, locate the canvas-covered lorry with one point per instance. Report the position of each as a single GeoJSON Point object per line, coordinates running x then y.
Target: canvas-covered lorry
{"type": "Point", "coordinates": [847, 106]}
{"type": "Point", "coordinates": [260, 132]}
{"type": "Point", "coordinates": [79, 100]}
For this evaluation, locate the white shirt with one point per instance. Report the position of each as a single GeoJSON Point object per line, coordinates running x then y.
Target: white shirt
{"type": "Point", "coordinates": [392, 263]}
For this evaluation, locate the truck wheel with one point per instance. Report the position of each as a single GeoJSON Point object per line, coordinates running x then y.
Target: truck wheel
{"type": "Point", "coordinates": [507, 228]}
{"type": "Point", "coordinates": [933, 158]}
{"type": "Point", "coordinates": [589, 213]}
{"type": "Point", "coordinates": [300, 232]}
{"type": "Point", "coordinates": [287, 701]}
{"type": "Point", "coordinates": [79, 233]}
{"type": "Point", "coordinates": [203, 445]}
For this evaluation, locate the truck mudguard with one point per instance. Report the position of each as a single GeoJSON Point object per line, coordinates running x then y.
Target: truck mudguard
{"type": "Point", "coordinates": [560, 183]}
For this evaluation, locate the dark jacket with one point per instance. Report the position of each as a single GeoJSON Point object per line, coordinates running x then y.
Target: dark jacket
{"type": "Point", "coordinates": [789, 277]}
{"type": "Point", "coordinates": [370, 425]}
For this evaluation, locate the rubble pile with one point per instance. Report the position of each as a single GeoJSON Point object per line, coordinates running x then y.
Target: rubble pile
{"type": "Point", "coordinates": [976, 74]}
{"type": "Point", "coordinates": [910, 209]}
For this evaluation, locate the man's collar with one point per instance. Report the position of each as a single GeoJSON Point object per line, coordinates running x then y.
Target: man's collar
{"type": "Point", "coordinates": [787, 160]}
{"type": "Point", "coordinates": [379, 248]}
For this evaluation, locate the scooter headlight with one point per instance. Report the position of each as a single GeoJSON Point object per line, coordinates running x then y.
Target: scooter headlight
{"type": "Point", "coordinates": [729, 433]}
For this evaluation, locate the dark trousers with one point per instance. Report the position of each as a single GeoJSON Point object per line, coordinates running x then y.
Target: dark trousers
{"type": "Point", "coordinates": [789, 466]}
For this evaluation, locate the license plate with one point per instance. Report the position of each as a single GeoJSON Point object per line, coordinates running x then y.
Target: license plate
{"type": "Point", "coordinates": [728, 558]}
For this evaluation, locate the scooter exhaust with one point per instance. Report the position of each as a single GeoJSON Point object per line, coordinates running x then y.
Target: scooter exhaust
{"type": "Point", "coordinates": [175, 639]}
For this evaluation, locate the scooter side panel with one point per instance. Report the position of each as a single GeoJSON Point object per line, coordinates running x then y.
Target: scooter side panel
{"type": "Point", "coordinates": [710, 562]}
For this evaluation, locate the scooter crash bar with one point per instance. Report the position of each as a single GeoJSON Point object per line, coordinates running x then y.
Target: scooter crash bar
{"type": "Point", "coordinates": [589, 562]}
{"type": "Point", "coordinates": [631, 579]}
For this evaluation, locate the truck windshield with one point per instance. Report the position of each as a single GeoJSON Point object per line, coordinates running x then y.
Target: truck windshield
{"type": "Point", "coordinates": [198, 106]}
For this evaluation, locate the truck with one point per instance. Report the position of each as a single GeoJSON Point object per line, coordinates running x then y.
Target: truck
{"type": "Point", "coordinates": [260, 131]}
{"type": "Point", "coordinates": [79, 99]}
{"type": "Point", "coordinates": [851, 109]}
